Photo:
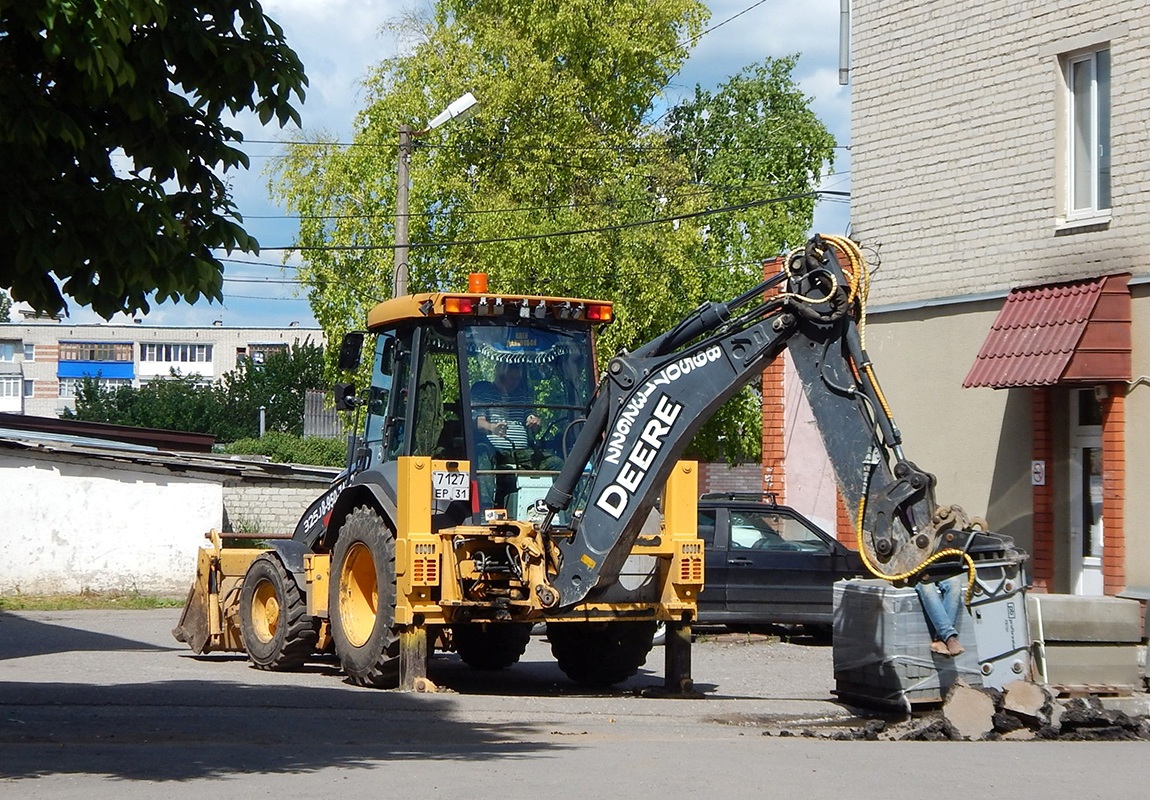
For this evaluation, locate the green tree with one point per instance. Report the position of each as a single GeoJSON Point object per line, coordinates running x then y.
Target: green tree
{"type": "Point", "coordinates": [5, 307]}
{"type": "Point", "coordinates": [279, 385]}
{"type": "Point", "coordinates": [228, 409]}
{"type": "Point", "coordinates": [559, 184]}
{"type": "Point", "coordinates": [112, 144]}
{"type": "Point", "coordinates": [175, 402]}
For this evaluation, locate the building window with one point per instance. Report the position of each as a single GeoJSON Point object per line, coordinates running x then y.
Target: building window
{"type": "Point", "coordinates": [68, 386]}
{"type": "Point", "coordinates": [95, 351]}
{"type": "Point", "coordinates": [260, 353]}
{"type": "Point", "coordinates": [10, 386]}
{"type": "Point", "coordinates": [181, 353]}
{"type": "Point", "coordinates": [1087, 78]}
{"type": "Point", "coordinates": [29, 351]}
{"type": "Point", "coordinates": [8, 351]}
{"type": "Point", "coordinates": [29, 388]}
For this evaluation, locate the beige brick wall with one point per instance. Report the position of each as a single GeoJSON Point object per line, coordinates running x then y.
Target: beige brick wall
{"type": "Point", "coordinates": [267, 506]}
{"type": "Point", "coordinates": [956, 146]}
{"type": "Point", "coordinates": [956, 167]}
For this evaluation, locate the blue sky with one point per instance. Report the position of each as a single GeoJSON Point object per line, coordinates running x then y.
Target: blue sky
{"type": "Point", "coordinates": [339, 40]}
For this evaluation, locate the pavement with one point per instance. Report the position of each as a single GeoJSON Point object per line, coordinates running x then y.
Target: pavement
{"type": "Point", "coordinates": [107, 705]}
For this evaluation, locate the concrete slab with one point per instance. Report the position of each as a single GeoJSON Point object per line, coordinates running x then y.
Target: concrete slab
{"type": "Point", "coordinates": [1074, 618]}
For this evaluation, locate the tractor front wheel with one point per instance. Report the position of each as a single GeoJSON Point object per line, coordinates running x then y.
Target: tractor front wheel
{"type": "Point", "coordinates": [277, 632]}
{"type": "Point", "coordinates": [600, 653]}
{"type": "Point", "coordinates": [362, 600]}
{"type": "Point", "coordinates": [490, 645]}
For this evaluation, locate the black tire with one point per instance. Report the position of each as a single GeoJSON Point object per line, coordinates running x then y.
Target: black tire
{"type": "Point", "coordinates": [276, 630]}
{"type": "Point", "coordinates": [361, 600]}
{"type": "Point", "coordinates": [490, 646]}
{"type": "Point", "coordinates": [600, 653]}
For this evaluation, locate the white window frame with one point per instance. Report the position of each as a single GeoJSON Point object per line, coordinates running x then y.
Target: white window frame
{"type": "Point", "coordinates": [66, 387]}
{"type": "Point", "coordinates": [29, 351]}
{"type": "Point", "coordinates": [1087, 190]}
{"type": "Point", "coordinates": [171, 353]}
{"type": "Point", "coordinates": [8, 350]}
{"type": "Point", "coordinates": [11, 386]}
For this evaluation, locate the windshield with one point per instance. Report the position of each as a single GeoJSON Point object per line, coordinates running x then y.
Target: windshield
{"type": "Point", "coordinates": [528, 390]}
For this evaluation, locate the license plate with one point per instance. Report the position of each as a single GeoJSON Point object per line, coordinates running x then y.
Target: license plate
{"type": "Point", "coordinates": [450, 485]}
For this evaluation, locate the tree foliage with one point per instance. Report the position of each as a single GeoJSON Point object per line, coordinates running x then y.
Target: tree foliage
{"type": "Point", "coordinates": [228, 408]}
{"type": "Point", "coordinates": [112, 142]}
{"type": "Point", "coordinates": [568, 181]}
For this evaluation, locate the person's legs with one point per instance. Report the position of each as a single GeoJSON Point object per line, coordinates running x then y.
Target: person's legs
{"type": "Point", "coordinates": [938, 616]}
{"type": "Point", "coordinates": [951, 591]}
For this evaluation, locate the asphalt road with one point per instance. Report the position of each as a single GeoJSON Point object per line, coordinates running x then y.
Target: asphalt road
{"type": "Point", "coordinates": [107, 704]}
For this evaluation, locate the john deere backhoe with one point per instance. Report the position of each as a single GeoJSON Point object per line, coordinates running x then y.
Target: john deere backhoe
{"type": "Point", "coordinates": [497, 484]}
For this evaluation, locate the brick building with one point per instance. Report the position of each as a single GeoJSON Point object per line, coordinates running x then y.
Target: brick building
{"type": "Point", "coordinates": [999, 172]}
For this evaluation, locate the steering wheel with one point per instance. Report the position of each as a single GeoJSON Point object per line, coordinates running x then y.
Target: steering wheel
{"type": "Point", "coordinates": [558, 434]}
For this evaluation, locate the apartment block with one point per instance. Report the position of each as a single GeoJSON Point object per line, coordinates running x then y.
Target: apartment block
{"type": "Point", "coordinates": [42, 360]}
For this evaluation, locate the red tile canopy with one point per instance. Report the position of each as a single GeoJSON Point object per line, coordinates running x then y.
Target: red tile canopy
{"type": "Point", "coordinates": [1077, 332]}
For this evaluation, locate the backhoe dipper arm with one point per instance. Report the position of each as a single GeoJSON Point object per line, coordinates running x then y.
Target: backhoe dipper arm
{"type": "Point", "coordinates": [652, 402]}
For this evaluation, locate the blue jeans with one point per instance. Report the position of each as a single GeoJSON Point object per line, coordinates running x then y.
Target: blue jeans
{"type": "Point", "coordinates": [941, 601]}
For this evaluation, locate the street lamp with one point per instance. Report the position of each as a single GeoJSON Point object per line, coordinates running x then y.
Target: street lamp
{"type": "Point", "coordinates": [461, 109]}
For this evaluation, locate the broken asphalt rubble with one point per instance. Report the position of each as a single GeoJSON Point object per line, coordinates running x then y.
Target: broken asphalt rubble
{"type": "Point", "coordinates": [1022, 711]}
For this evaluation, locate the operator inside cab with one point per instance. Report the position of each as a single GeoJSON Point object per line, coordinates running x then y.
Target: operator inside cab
{"type": "Point", "coordinates": [527, 387]}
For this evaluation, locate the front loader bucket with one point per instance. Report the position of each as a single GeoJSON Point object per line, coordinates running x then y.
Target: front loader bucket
{"type": "Point", "coordinates": [195, 625]}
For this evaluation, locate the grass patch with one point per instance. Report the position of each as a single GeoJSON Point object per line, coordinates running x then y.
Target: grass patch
{"type": "Point", "coordinates": [86, 600]}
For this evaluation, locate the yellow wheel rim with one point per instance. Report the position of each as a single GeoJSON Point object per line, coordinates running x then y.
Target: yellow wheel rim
{"type": "Point", "coordinates": [265, 611]}
{"type": "Point", "coordinates": [358, 595]}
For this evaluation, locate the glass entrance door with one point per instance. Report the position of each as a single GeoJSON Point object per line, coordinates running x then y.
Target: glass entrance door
{"type": "Point", "coordinates": [1086, 531]}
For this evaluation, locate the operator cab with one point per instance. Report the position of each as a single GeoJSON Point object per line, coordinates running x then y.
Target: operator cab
{"type": "Point", "coordinates": [501, 382]}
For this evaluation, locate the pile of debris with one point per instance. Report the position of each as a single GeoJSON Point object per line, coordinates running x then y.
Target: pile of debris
{"type": "Point", "coordinates": [1021, 711]}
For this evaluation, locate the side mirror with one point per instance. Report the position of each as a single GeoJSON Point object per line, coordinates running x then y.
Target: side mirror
{"type": "Point", "coordinates": [345, 399]}
{"type": "Point", "coordinates": [351, 350]}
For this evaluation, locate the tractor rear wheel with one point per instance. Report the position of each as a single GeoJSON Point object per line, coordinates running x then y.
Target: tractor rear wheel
{"type": "Point", "coordinates": [489, 645]}
{"type": "Point", "coordinates": [277, 632]}
{"type": "Point", "coordinates": [361, 600]}
{"type": "Point", "coordinates": [600, 653]}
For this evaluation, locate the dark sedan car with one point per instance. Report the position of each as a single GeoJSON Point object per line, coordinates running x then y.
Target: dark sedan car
{"type": "Point", "coordinates": [768, 564]}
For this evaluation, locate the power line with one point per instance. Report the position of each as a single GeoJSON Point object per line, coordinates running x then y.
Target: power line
{"type": "Point", "coordinates": [714, 27]}
{"type": "Point", "coordinates": [711, 189]}
{"type": "Point", "coordinates": [553, 234]}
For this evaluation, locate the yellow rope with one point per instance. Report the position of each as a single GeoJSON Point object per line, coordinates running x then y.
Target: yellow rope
{"type": "Point", "coordinates": [902, 576]}
{"type": "Point", "coordinates": [802, 297]}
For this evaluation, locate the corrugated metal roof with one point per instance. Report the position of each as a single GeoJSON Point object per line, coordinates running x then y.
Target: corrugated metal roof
{"type": "Point", "coordinates": [1035, 335]}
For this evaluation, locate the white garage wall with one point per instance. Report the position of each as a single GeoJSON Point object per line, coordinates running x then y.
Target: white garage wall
{"type": "Point", "coordinates": [72, 524]}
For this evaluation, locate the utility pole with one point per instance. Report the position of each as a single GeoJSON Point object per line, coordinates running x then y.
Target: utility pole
{"type": "Point", "coordinates": [399, 279]}
{"type": "Point", "coordinates": [459, 109]}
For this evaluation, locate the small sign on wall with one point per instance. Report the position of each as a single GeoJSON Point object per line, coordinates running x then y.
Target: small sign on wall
{"type": "Point", "coordinates": [1037, 473]}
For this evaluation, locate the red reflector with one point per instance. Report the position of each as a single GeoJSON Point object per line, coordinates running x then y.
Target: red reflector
{"type": "Point", "coordinates": [475, 497]}
{"type": "Point", "coordinates": [459, 305]}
